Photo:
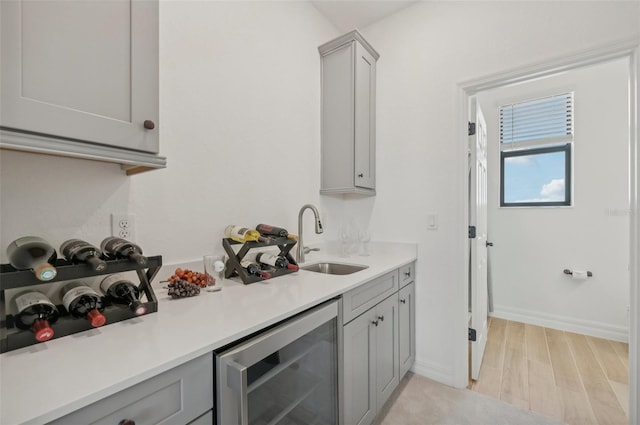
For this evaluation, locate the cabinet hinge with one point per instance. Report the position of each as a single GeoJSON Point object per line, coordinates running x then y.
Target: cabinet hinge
{"type": "Point", "coordinates": [472, 232]}
{"type": "Point", "coordinates": [472, 334]}
{"type": "Point", "coordinates": [472, 128]}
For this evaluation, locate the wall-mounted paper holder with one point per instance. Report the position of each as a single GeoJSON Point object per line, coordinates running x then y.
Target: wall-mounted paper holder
{"type": "Point", "coordinates": [570, 273]}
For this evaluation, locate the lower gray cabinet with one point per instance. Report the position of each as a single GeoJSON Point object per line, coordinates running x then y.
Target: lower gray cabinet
{"type": "Point", "coordinates": [386, 323]}
{"type": "Point", "coordinates": [378, 342]}
{"type": "Point", "coordinates": [360, 370]}
{"type": "Point", "coordinates": [406, 327]}
{"type": "Point", "coordinates": [371, 364]}
{"type": "Point", "coordinates": [176, 397]}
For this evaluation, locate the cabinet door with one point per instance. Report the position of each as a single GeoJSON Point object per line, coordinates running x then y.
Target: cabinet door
{"type": "Point", "coordinates": [82, 70]}
{"type": "Point", "coordinates": [337, 118]}
{"type": "Point", "coordinates": [386, 348]}
{"type": "Point", "coordinates": [365, 118]}
{"type": "Point", "coordinates": [406, 327]}
{"type": "Point", "coordinates": [360, 370]}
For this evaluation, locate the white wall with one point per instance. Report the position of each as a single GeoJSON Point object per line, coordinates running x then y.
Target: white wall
{"type": "Point", "coordinates": [534, 245]}
{"type": "Point", "coordinates": [239, 125]}
{"type": "Point", "coordinates": [426, 51]}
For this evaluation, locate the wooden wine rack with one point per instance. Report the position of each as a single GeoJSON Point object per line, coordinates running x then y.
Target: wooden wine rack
{"type": "Point", "coordinates": [233, 267]}
{"type": "Point", "coordinates": [12, 338]}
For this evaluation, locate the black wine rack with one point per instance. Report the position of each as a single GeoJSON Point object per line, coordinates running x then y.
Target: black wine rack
{"type": "Point", "coordinates": [12, 338]}
{"type": "Point", "coordinates": [233, 267]}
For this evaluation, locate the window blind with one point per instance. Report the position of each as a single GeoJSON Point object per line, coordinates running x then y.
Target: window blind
{"type": "Point", "coordinates": [540, 119]}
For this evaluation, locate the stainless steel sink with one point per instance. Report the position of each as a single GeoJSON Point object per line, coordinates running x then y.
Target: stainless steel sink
{"type": "Point", "coordinates": [334, 268]}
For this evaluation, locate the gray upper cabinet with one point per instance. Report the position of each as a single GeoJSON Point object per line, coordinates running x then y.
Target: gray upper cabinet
{"type": "Point", "coordinates": [348, 115]}
{"type": "Point", "coordinates": [80, 79]}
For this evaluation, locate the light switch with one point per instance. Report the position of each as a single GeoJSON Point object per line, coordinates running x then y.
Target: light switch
{"type": "Point", "coordinates": [432, 221]}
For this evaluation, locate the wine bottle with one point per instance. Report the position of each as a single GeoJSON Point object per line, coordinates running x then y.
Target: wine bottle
{"type": "Point", "coordinates": [82, 301]}
{"type": "Point", "coordinates": [244, 234]}
{"type": "Point", "coordinates": [33, 253]}
{"type": "Point", "coordinates": [36, 312]}
{"type": "Point", "coordinates": [254, 269]}
{"type": "Point", "coordinates": [123, 292]}
{"type": "Point", "coordinates": [79, 251]}
{"type": "Point", "coordinates": [122, 248]}
{"type": "Point", "coordinates": [268, 230]}
{"type": "Point", "coordinates": [277, 261]}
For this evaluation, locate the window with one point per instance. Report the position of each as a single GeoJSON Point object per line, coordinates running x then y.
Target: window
{"type": "Point", "coordinates": [535, 152]}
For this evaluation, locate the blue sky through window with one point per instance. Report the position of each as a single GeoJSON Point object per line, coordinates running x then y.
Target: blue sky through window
{"type": "Point", "coordinates": [535, 178]}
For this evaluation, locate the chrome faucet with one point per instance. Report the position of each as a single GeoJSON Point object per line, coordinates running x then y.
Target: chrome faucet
{"type": "Point", "coordinates": [301, 249]}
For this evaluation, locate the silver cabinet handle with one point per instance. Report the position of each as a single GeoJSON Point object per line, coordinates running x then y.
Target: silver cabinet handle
{"type": "Point", "coordinates": [237, 380]}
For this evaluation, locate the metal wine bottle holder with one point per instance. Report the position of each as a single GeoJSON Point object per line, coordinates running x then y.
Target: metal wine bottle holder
{"type": "Point", "coordinates": [12, 338]}
{"type": "Point", "coordinates": [233, 267]}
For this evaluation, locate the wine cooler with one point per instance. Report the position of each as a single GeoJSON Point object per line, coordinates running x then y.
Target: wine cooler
{"type": "Point", "coordinates": [287, 375]}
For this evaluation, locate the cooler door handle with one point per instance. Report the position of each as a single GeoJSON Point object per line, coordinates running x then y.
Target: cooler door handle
{"type": "Point", "coordinates": [237, 380]}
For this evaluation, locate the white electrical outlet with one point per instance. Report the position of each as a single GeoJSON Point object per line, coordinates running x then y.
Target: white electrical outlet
{"type": "Point", "coordinates": [124, 226]}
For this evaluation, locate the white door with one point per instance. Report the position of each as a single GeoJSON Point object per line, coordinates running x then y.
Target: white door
{"type": "Point", "coordinates": [478, 218]}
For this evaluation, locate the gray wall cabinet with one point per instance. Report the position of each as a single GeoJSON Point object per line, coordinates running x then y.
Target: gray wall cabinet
{"type": "Point", "coordinates": [348, 115]}
{"type": "Point", "coordinates": [80, 79]}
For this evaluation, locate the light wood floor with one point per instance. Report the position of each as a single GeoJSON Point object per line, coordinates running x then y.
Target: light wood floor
{"type": "Point", "coordinates": [574, 378]}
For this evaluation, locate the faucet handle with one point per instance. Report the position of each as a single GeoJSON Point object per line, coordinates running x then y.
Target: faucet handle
{"type": "Point", "coordinates": [307, 250]}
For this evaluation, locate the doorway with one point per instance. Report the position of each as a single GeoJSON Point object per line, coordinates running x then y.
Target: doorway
{"type": "Point", "coordinates": [536, 242]}
{"type": "Point", "coordinates": [628, 51]}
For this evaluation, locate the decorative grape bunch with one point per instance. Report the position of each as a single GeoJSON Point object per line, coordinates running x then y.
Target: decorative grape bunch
{"type": "Point", "coordinates": [187, 283]}
{"type": "Point", "coordinates": [181, 288]}
{"type": "Point", "coordinates": [200, 279]}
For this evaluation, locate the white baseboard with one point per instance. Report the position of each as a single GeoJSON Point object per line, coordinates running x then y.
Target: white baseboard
{"type": "Point", "coordinates": [433, 371]}
{"type": "Point", "coordinates": [563, 323]}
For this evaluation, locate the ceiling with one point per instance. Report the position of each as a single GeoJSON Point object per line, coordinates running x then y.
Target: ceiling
{"type": "Point", "coordinates": [349, 14]}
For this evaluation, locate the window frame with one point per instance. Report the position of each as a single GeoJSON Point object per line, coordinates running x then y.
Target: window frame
{"type": "Point", "coordinates": [566, 148]}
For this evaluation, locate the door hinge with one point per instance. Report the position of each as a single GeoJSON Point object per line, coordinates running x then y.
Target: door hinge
{"type": "Point", "coordinates": [472, 128]}
{"type": "Point", "coordinates": [472, 232]}
{"type": "Point", "coordinates": [472, 334]}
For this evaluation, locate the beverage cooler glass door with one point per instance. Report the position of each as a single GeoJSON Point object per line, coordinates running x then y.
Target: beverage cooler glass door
{"type": "Point", "coordinates": [287, 375]}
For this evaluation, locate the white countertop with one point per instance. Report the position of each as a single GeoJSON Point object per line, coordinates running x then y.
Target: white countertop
{"type": "Point", "coordinates": [45, 381]}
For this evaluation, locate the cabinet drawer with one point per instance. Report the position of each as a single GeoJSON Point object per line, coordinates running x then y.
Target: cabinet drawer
{"type": "Point", "coordinates": [175, 397]}
{"type": "Point", "coordinates": [362, 298]}
{"type": "Point", "coordinates": [407, 274]}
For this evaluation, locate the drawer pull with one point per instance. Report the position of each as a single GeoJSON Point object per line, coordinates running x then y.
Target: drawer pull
{"type": "Point", "coordinates": [149, 125]}
{"type": "Point", "coordinates": [361, 175]}
{"type": "Point", "coordinates": [375, 322]}
{"type": "Point", "coordinates": [127, 422]}
{"type": "Point", "coordinates": [407, 274]}
{"type": "Point", "coordinates": [381, 318]}
{"type": "Point", "coordinates": [403, 301]}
